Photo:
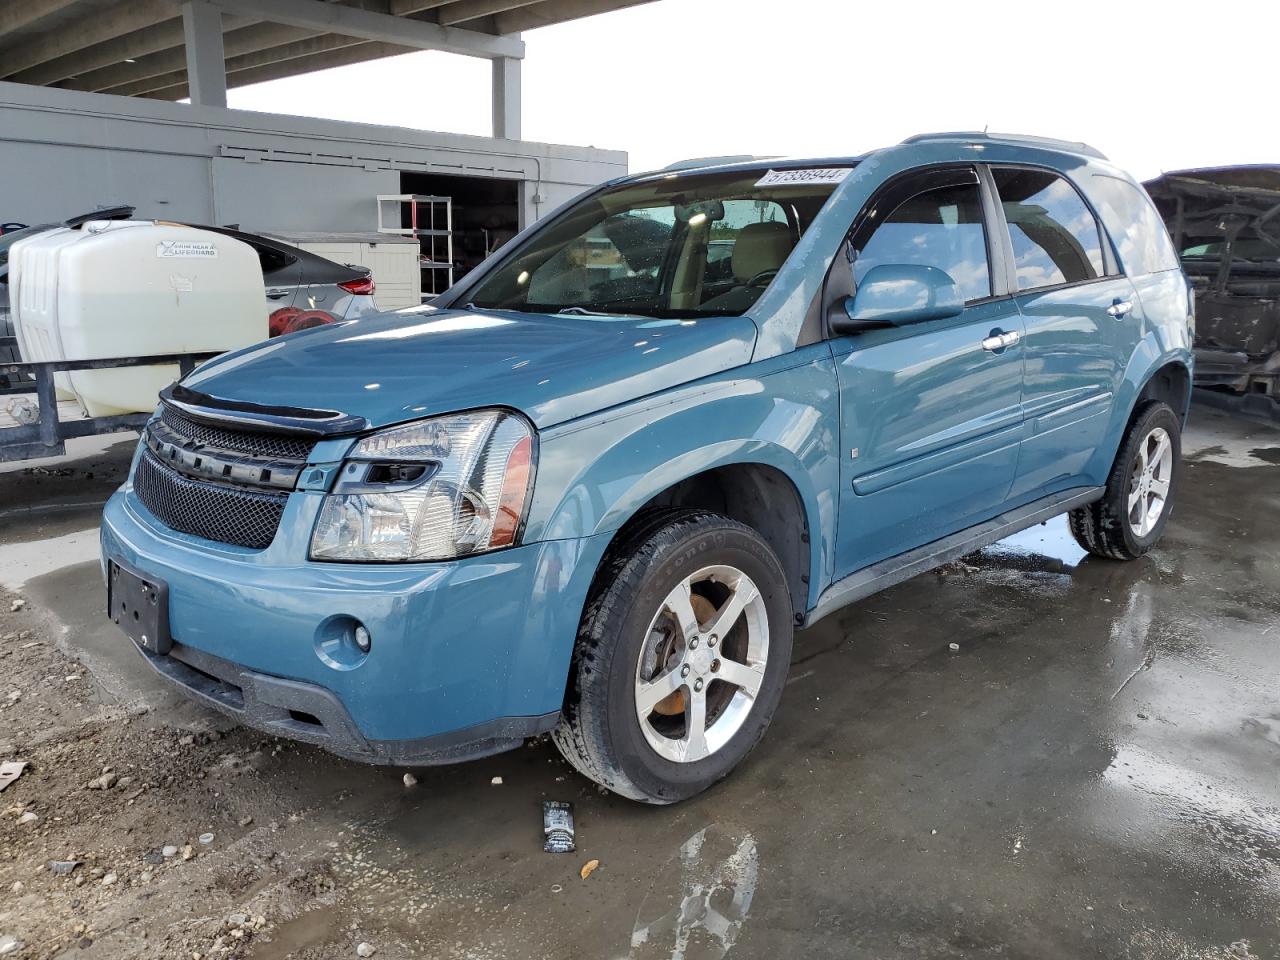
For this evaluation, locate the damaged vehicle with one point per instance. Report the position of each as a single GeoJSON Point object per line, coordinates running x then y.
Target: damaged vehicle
{"type": "Point", "coordinates": [1225, 223]}
{"type": "Point", "coordinates": [596, 486]}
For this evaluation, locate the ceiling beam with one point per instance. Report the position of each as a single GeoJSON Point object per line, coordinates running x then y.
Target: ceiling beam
{"type": "Point", "coordinates": [15, 16]}
{"type": "Point", "coordinates": [168, 35]}
{"type": "Point", "coordinates": [379, 27]}
{"type": "Point", "coordinates": [109, 24]}
{"type": "Point", "coordinates": [460, 11]}
{"type": "Point", "coordinates": [548, 12]}
{"type": "Point", "coordinates": [235, 42]}
{"type": "Point", "coordinates": [357, 53]}
{"type": "Point", "coordinates": [403, 8]}
{"type": "Point", "coordinates": [321, 43]}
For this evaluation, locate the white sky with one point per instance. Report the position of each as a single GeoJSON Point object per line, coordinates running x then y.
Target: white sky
{"type": "Point", "coordinates": [685, 78]}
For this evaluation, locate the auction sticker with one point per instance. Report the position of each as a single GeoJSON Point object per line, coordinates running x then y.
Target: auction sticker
{"type": "Point", "coordinates": [787, 178]}
{"type": "Point", "coordinates": [187, 250]}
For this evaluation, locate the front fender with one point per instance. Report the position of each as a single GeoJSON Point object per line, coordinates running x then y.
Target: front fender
{"type": "Point", "coordinates": [595, 473]}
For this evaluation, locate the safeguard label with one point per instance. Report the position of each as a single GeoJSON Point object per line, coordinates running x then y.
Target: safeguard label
{"type": "Point", "coordinates": [187, 250]}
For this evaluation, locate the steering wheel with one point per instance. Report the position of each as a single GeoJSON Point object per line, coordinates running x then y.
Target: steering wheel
{"type": "Point", "coordinates": [762, 278]}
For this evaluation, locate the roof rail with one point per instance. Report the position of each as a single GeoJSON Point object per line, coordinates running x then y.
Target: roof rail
{"type": "Point", "coordinates": [694, 163]}
{"type": "Point", "coordinates": [1049, 142]}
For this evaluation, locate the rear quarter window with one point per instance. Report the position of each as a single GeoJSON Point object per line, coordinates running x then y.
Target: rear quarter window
{"type": "Point", "coordinates": [1140, 236]}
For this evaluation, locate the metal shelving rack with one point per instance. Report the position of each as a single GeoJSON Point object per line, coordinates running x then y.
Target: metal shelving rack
{"type": "Point", "coordinates": [431, 222]}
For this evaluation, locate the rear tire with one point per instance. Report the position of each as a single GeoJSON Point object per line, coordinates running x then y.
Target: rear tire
{"type": "Point", "coordinates": [681, 657]}
{"type": "Point", "coordinates": [1132, 514]}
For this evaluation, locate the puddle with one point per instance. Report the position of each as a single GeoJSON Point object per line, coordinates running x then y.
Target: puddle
{"type": "Point", "coordinates": [1216, 438]}
{"type": "Point", "coordinates": [21, 562]}
{"type": "Point", "coordinates": [1213, 809]}
{"type": "Point", "coordinates": [696, 908]}
{"type": "Point", "coordinates": [313, 928]}
{"type": "Point", "coordinates": [1050, 543]}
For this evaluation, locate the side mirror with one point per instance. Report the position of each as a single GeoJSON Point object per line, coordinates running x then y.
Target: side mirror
{"type": "Point", "coordinates": [896, 294]}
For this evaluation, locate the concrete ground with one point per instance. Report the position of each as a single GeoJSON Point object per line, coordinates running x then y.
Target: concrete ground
{"type": "Point", "coordinates": [1095, 771]}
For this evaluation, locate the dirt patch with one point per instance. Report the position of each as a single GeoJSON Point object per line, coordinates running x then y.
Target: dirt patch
{"type": "Point", "coordinates": [128, 839]}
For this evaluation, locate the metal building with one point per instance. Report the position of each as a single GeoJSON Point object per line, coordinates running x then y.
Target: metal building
{"type": "Point", "coordinates": [87, 116]}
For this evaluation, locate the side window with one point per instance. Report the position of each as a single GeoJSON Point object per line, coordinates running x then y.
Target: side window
{"type": "Point", "coordinates": [1055, 237]}
{"type": "Point", "coordinates": [1140, 235]}
{"type": "Point", "coordinates": [938, 228]}
{"type": "Point", "coordinates": [272, 259]}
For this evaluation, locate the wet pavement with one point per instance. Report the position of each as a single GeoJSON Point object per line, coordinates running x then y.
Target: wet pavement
{"type": "Point", "coordinates": [1095, 771]}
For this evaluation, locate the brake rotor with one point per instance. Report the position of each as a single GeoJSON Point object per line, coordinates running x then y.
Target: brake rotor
{"type": "Point", "coordinates": [674, 705]}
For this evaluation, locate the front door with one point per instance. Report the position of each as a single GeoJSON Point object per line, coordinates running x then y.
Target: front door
{"type": "Point", "coordinates": [930, 412]}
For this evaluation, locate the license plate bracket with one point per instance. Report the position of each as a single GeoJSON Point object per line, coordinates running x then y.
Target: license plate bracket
{"type": "Point", "coordinates": [139, 604]}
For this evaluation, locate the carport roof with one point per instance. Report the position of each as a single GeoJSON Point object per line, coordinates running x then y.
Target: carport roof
{"type": "Point", "coordinates": [139, 47]}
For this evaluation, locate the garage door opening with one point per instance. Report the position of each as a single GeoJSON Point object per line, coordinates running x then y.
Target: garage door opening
{"type": "Point", "coordinates": [482, 214]}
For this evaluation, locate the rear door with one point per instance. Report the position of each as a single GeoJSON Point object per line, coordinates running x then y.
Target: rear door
{"type": "Point", "coordinates": [1082, 319]}
{"type": "Point", "coordinates": [930, 417]}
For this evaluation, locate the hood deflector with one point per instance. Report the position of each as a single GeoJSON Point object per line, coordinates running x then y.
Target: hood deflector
{"type": "Point", "coordinates": [242, 414]}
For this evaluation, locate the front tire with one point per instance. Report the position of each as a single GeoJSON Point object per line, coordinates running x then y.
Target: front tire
{"type": "Point", "coordinates": [681, 657]}
{"type": "Point", "coordinates": [1132, 514]}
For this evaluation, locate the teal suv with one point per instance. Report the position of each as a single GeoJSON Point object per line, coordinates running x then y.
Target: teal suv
{"type": "Point", "coordinates": [594, 488]}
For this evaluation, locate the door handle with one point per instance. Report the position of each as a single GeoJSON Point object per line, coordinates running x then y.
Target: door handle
{"type": "Point", "coordinates": [999, 341]}
{"type": "Point", "coordinates": [1120, 308]}
{"type": "Point", "coordinates": [277, 294]}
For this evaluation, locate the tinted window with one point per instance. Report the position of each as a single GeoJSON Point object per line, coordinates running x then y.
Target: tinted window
{"type": "Point", "coordinates": [938, 228]}
{"type": "Point", "coordinates": [1139, 234]}
{"type": "Point", "coordinates": [272, 259]}
{"type": "Point", "coordinates": [1055, 236]}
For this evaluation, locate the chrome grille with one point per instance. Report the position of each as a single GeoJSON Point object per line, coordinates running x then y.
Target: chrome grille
{"type": "Point", "coordinates": [227, 514]}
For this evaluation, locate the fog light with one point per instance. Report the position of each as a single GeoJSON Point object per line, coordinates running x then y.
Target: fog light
{"type": "Point", "coordinates": [363, 640]}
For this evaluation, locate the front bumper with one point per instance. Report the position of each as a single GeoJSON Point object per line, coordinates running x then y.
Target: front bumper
{"type": "Point", "coordinates": [467, 658]}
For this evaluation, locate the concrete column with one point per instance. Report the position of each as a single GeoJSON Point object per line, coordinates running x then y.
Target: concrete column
{"type": "Point", "coordinates": [206, 62]}
{"type": "Point", "coordinates": [506, 98]}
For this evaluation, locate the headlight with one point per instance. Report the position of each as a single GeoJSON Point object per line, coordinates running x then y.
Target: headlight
{"type": "Point", "coordinates": [432, 490]}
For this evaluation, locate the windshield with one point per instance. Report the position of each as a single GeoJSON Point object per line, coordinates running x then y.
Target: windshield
{"type": "Point", "coordinates": [680, 245]}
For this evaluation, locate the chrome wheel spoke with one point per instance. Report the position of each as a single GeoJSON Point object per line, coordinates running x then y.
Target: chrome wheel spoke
{"type": "Point", "coordinates": [693, 745]}
{"type": "Point", "coordinates": [746, 677]}
{"type": "Point", "coordinates": [1135, 501]}
{"type": "Point", "coordinates": [1160, 488]}
{"type": "Point", "coordinates": [649, 695]}
{"type": "Point", "coordinates": [680, 602]}
{"type": "Point", "coordinates": [1163, 450]}
{"type": "Point", "coordinates": [743, 593]}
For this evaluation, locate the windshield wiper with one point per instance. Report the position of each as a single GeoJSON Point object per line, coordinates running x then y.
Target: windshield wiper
{"type": "Point", "coordinates": [585, 312]}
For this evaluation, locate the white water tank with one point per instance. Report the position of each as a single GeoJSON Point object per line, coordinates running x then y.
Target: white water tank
{"type": "Point", "coordinates": [129, 288]}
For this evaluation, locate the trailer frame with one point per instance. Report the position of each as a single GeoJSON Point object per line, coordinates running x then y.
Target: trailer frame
{"type": "Point", "coordinates": [47, 437]}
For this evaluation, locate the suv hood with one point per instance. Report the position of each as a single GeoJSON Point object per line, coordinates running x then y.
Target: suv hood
{"type": "Point", "coordinates": [394, 367]}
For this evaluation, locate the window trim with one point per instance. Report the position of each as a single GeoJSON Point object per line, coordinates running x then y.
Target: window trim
{"type": "Point", "coordinates": [1111, 268]}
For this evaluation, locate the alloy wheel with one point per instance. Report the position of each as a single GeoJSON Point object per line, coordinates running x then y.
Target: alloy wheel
{"type": "Point", "coordinates": [702, 664]}
{"type": "Point", "coordinates": [1149, 483]}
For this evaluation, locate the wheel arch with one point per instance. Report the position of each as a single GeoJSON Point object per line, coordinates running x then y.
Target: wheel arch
{"type": "Point", "coordinates": [1171, 384]}
{"type": "Point", "coordinates": [1153, 373]}
{"type": "Point", "coordinates": [759, 495]}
